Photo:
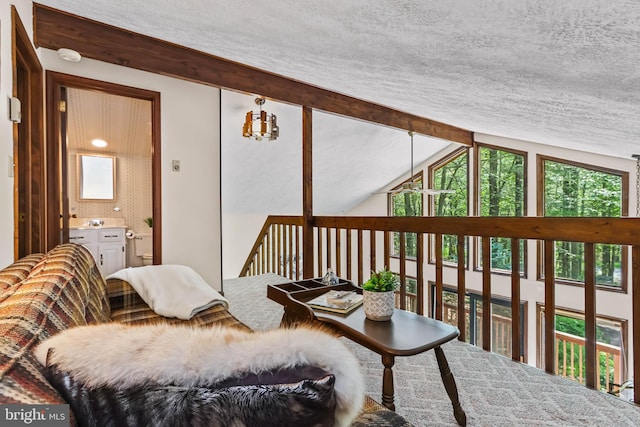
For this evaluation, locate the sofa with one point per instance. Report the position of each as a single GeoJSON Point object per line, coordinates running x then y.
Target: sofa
{"type": "Point", "coordinates": [42, 295]}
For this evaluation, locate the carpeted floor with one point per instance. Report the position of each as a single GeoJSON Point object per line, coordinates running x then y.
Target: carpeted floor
{"type": "Point", "coordinates": [494, 391]}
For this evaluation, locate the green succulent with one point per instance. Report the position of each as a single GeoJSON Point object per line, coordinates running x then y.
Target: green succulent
{"type": "Point", "coordinates": [382, 281]}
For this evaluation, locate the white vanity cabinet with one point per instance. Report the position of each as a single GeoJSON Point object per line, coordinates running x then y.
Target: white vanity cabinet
{"type": "Point", "coordinates": [107, 245]}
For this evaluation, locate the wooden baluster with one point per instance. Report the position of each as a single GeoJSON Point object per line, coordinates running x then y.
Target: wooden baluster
{"type": "Point", "coordinates": [329, 251]}
{"type": "Point", "coordinates": [549, 306]}
{"type": "Point", "coordinates": [360, 266]}
{"type": "Point", "coordinates": [372, 250]}
{"type": "Point", "coordinates": [349, 254]}
{"type": "Point", "coordinates": [338, 252]}
{"type": "Point", "coordinates": [403, 272]}
{"type": "Point", "coordinates": [319, 252]}
{"type": "Point", "coordinates": [420, 274]}
{"type": "Point", "coordinates": [486, 293]}
{"type": "Point", "coordinates": [591, 357]}
{"type": "Point", "coordinates": [290, 254]}
{"type": "Point", "coordinates": [438, 296]}
{"type": "Point", "coordinates": [516, 351]}
{"type": "Point", "coordinates": [387, 248]}
{"type": "Point", "coordinates": [635, 269]}
{"type": "Point", "coordinates": [462, 291]}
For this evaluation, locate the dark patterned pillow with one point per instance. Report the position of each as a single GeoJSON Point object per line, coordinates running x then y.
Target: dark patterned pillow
{"type": "Point", "coordinates": [117, 375]}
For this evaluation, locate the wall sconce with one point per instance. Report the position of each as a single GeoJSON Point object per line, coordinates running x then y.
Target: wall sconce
{"type": "Point", "coordinates": [260, 124]}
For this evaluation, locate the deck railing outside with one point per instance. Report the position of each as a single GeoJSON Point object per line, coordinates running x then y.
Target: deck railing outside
{"type": "Point", "coordinates": [354, 246]}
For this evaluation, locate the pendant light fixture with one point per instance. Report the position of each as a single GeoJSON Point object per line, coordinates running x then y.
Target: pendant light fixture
{"type": "Point", "coordinates": [259, 125]}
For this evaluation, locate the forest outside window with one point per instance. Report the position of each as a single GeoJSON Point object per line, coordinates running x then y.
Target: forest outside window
{"type": "Point", "coordinates": [451, 174]}
{"type": "Point", "coordinates": [501, 192]}
{"type": "Point", "coordinates": [578, 190]}
{"type": "Point", "coordinates": [406, 204]}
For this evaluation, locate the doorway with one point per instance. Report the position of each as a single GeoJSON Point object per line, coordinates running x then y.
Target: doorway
{"type": "Point", "coordinates": [128, 120]}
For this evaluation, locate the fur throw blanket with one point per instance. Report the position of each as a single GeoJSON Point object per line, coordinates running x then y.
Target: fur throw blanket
{"type": "Point", "coordinates": [122, 357]}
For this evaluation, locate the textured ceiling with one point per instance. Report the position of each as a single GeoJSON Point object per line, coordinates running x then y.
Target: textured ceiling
{"type": "Point", "coordinates": [124, 123]}
{"type": "Point", "coordinates": [563, 73]}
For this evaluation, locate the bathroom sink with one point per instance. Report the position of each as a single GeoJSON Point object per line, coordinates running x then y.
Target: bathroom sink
{"type": "Point", "coordinates": [89, 222]}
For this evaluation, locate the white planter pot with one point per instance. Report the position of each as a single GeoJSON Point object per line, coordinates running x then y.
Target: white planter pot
{"type": "Point", "coordinates": [378, 306]}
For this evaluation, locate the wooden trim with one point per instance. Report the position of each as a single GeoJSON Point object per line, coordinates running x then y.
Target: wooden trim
{"type": "Point", "coordinates": [420, 273]}
{"type": "Point", "coordinates": [622, 231]}
{"type": "Point", "coordinates": [635, 263]}
{"type": "Point", "coordinates": [462, 290]}
{"type": "Point", "coordinates": [486, 293]}
{"type": "Point", "coordinates": [515, 299]}
{"type": "Point", "coordinates": [549, 308]}
{"type": "Point", "coordinates": [591, 356]}
{"type": "Point", "coordinates": [438, 273]}
{"type": "Point", "coordinates": [30, 88]}
{"type": "Point", "coordinates": [307, 192]}
{"type": "Point", "coordinates": [55, 29]}
{"type": "Point", "coordinates": [57, 80]}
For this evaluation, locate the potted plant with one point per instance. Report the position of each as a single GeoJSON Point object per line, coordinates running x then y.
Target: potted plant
{"type": "Point", "coordinates": [378, 292]}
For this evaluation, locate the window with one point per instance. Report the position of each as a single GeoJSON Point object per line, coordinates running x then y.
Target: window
{"type": "Point", "coordinates": [406, 204]}
{"type": "Point", "coordinates": [500, 320]}
{"type": "Point", "coordinates": [451, 174]}
{"type": "Point", "coordinates": [576, 190]}
{"type": "Point", "coordinates": [501, 192]}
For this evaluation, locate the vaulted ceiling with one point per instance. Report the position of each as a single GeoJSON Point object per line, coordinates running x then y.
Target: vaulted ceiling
{"type": "Point", "coordinates": [561, 73]}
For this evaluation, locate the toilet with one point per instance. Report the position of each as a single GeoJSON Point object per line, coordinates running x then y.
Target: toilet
{"type": "Point", "coordinates": [144, 247]}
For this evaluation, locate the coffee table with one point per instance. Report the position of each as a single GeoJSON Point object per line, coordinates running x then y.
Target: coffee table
{"type": "Point", "coordinates": [406, 334]}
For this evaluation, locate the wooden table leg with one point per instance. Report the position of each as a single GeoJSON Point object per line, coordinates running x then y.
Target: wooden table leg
{"type": "Point", "coordinates": [387, 382]}
{"type": "Point", "coordinates": [450, 385]}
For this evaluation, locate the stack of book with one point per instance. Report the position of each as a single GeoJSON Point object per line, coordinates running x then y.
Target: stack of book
{"type": "Point", "coordinates": [341, 302]}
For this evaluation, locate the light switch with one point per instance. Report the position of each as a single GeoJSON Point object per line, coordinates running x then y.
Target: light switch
{"type": "Point", "coordinates": [175, 165]}
{"type": "Point", "coordinates": [11, 165]}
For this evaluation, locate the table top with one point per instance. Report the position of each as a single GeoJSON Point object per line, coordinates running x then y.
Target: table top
{"type": "Point", "coordinates": [405, 334]}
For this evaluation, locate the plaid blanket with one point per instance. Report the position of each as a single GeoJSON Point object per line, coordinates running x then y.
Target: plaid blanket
{"type": "Point", "coordinates": [62, 289]}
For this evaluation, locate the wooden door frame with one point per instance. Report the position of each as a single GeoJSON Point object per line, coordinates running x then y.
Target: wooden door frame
{"type": "Point", "coordinates": [28, 143]}
{"type": "Point", "coordinates": [56, 80]}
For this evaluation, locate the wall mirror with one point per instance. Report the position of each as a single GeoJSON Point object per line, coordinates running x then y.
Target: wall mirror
{"type": "Point", "coordinates": [96, 177]}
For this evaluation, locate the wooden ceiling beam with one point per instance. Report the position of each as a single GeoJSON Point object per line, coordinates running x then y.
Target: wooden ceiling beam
{"type": "Point", "coordinates": [54, 29]}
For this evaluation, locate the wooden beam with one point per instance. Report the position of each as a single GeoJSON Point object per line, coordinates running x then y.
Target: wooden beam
{"type": "Point", "coordinates": [55, 29]}
{"type": "Point", "coordinates": [307, 194]}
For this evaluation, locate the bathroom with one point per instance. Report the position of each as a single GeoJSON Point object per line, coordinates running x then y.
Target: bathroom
{"type": "Point", "coordinates": [124, 125]}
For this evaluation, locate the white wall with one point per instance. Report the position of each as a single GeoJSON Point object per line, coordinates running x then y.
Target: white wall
{"type": "Point", "coordinates": [190, 132]}
{"type": "Point", "coordinates": [239, 233]}
{"type": "Point", "coordinates": [6, 126]}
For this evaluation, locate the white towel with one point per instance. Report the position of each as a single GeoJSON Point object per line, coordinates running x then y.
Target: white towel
{"type": "Point", "coordinates": [171, 290]}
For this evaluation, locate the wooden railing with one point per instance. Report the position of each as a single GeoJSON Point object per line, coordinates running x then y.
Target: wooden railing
{"type": "Point", "coordinates": [353, 246]}
{"type": "Point", "coordinates": [571, 363]}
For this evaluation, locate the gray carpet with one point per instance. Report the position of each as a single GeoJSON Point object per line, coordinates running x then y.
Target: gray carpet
{"type": "Point", "coordinates": [494, 391]}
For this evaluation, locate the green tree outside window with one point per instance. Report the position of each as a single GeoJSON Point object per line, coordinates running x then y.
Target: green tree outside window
{"type": "Point", "coordinates": [574, 191]}
{"type": "Point", "coordinates": [451, 176]}
{"type": "Point", "coordinates": [407, 204]}
{"type": "Point", "coordinates": [502, 193]}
